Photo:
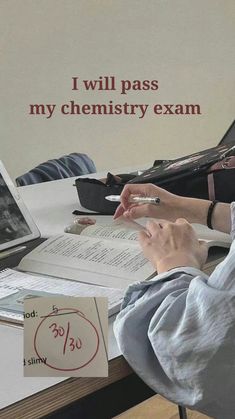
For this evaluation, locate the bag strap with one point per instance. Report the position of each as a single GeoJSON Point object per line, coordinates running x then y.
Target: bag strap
{"type": "Point", "coordinates": [226, 163]}
{"type": "Point", "coordinates": [211, 187]}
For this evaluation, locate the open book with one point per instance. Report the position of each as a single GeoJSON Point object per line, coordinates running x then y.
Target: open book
{"type": "Point", "coordinates": [212, 237]}
{"type": "Point", "coordinates": [107, 255]}
{"type": "Point", "coordinates": [101, 260]}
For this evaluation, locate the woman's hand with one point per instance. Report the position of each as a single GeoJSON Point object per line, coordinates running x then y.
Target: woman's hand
{"type": "Point", "coordinates": [171, 206]}
{"type": "Point", "coordinates": [170, 245]}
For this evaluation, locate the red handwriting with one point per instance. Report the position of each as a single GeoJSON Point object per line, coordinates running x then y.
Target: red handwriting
{"type": "Point", "coordinates": [71, 336]}
{"type": "Point", "coordinates": [69, 341]}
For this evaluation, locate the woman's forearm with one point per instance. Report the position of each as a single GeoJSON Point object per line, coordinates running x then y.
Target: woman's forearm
{"type": "Point", "coordinates": [196, 211]}
{"type": "Point", "coordinates": [173, 207]}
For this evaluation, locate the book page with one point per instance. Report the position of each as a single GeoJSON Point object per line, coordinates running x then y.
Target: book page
{"type": "Point", "coordinates": [117, 231]}
{"type": "Point", "coordinates": [67, 255]}
{"type": "Point", "coordinates": [129, 230]}
{"type": "Point", "coordinates": [212, 237]}
{"type": "Point", "coordinates": [16, 286]}
{"type": "Point", "coordinates": [66, 336]}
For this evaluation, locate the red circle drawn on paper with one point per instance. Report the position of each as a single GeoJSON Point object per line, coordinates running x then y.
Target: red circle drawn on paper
{"type": "Point", "coordinates": [81, 315]}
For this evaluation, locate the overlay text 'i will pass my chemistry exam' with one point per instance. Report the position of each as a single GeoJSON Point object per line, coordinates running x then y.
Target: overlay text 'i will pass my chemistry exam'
{"type": "Point", "coordinates": [111, 107]}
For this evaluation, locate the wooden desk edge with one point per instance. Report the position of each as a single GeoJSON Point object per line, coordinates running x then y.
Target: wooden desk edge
{"type": "Point", "coordinates": [71, 390]}
{"type": "Point", "coordinates": [64, 393]}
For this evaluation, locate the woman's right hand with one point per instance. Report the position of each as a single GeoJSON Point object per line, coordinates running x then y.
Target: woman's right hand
{"type": "Point", "coordinates": [171, 206]}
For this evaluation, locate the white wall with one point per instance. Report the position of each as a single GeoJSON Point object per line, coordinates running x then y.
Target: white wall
{"type": "Point", "coordinates": [188, 46]}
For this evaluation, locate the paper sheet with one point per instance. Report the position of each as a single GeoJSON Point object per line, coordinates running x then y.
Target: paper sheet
{"type": "Point", "coordinates": [15, 286]}
{"type": "Point", "coordinates": [66, 336]}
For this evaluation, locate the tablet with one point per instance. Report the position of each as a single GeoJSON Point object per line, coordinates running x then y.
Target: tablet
{"type": "Point", "coordinates": [16, 224]}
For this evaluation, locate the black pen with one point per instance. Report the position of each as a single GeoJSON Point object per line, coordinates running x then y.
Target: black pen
{"type": "Point", "coordinates": [78, 212]}
{"type": "Point", "coordinates": [135, 199]}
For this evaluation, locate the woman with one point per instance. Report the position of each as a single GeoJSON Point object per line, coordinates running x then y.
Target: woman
{"type": "Point", "coordinates": [177, 330]}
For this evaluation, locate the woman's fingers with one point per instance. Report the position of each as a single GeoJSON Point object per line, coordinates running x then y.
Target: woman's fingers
{"type": "Point", "coordinates": [137, 211]}
{"type": "Point", "coordinates": [119, 211]}
{"type": "Point", "coordinates": [138, 189]}
{"type": "Point", "coordinates": [143, 235]}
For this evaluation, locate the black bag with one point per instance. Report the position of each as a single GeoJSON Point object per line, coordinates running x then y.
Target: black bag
{"type": "Point", "coordinates": [92, 192]}
{"type": "Point", "coordinates": [209, 174]}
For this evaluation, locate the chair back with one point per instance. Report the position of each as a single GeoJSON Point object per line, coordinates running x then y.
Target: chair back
{"type": "Point", "coordinates": [74, 164]}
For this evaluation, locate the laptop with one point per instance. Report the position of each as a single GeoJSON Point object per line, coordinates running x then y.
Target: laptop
{"type": "Point", "coordinates": [16, 224]}
{"type": "Point", "coordinates": [229, 136]}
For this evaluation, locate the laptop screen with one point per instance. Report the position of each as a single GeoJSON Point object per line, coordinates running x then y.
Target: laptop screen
{"type": "Point", "coordinates": [16, 224]}
{"type": "Point", "coordinates": [229, 136]}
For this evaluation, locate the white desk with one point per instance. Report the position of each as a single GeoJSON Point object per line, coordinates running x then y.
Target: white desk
{"type": "Point", "coordinates": [51, 205]}
{"type": "Point", "coordinates": [15, 388]}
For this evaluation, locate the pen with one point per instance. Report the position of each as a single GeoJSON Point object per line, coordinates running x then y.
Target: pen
{"type": "Point", "coordinates": [10, 252]}
{"type": "Point", "coordinates": [78, 212]}
{"type": "Point", "coordinates": [135, 199]}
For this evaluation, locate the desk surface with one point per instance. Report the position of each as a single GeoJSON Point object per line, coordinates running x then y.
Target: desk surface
{"type": "Point", "coordinates": [51, 205]}
{"type": "Point", "coordinates": [15, 388]}
{"type": "Point", "coordinates": [28, 398]}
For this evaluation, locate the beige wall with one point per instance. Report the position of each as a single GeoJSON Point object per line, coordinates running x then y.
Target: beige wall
{"type": "Point", "coordinates": [188, 46]}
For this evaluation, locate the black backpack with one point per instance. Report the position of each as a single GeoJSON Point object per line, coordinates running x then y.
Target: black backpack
{"type": "Point", "coordinates": [208, 174]}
